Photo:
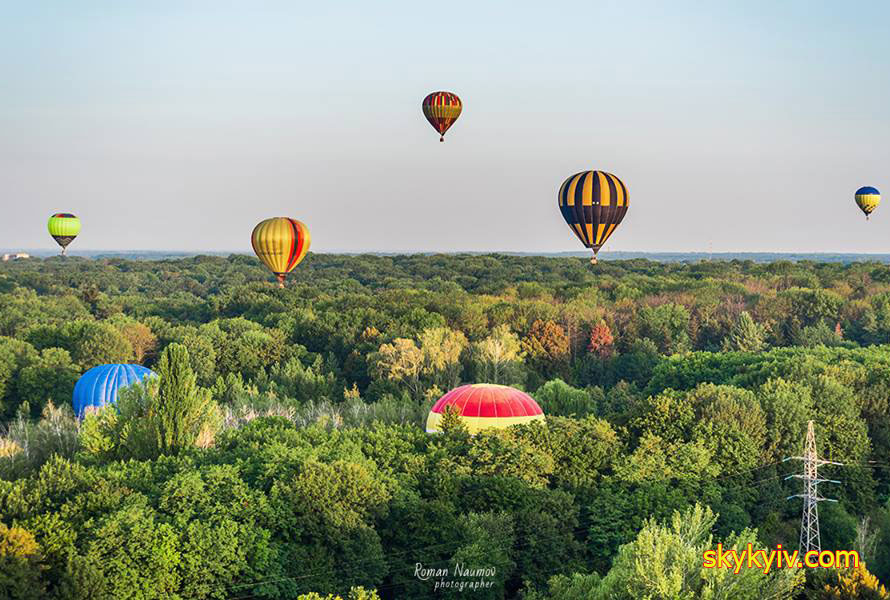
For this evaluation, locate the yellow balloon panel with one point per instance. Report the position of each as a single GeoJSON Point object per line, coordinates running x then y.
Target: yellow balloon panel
{"type": "Point", "coordinates": [281, 243]}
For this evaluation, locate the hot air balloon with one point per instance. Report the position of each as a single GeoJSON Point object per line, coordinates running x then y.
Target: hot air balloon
{"type": "Point", "coordinates": [593, 203]}
{"type": "Point", "coordinates": [867, 199]}
{"type": "Point", "coordinates": [441, 109]}
{"type": "Point", "coordinates": [64, 227]}
{"type": "Point", "coordinates": [484, 405]}
{"type": "Point", "coordinates": [281, 243]}
{"type": "Point", "coordinates": [100, 385]}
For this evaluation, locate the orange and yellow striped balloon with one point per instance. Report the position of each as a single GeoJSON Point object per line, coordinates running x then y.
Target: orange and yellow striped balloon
{"type": "Point", "coordinates": [441, 109]}
{"type": "Point", "coordinates": [281, 243]}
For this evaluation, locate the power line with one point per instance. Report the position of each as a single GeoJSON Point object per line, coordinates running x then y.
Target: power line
{"type": "Point", "coordinates": [809, 520]}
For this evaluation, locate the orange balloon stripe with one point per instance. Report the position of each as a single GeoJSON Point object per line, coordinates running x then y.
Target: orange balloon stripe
{"type": "Point", "coordinates": [300, 246]}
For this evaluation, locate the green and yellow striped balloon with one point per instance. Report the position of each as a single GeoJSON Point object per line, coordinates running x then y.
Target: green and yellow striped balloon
{"type": "Point", "coordinates": [64, 227]}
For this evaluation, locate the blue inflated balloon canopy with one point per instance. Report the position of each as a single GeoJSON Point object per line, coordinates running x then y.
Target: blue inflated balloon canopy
{"type": "Point", "coordinates": [100, 385]}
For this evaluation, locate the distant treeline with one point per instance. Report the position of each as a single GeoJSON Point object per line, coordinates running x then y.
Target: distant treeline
{"type": "Point", "coordinates": [687, 257]}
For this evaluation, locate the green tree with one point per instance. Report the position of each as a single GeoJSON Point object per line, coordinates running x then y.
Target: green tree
{"type": "Point", "coordinates": [324, 516]}
{"type": "Point", "coordinates": [637, 364]}
{"type": "Point", "coordinates": [556, 397]}
{"type": "Point", "coordinates": [820, 334]}
{"type": "Point", "coordinates": [582, 449]}
{"type": "Point", "coordinates": [745, 335]}
{"type": "Point", "coordinates": [162, 415]}
{"type": "Point", "coordinates": [810, 306]}
{"type": "Point", "coordinates": [242, 346]}
{"type": "Point", "coordinates": [129, 553]}
{"type": "Point", "coordinates": [669, 415]}
{"type": "Point", "coordinates": [665, 561]}
{"type": "Point", "coordinates": [22, 308]}
{"type": "Point", "coordinates": [787, 407]}
{"type": "Point", "coordinates": [656, 459]}
{"type": "Point", "coordinates": [15, 355]}
{"type": "Point", "coordinates": [50, 378]}
{"type": "Point", "coordinates": [223, 539]}
{"type": "Point", "coordinates": [577, 586]}
{"type": "Point", "coordinates": [506, 453]}
{"type": "Point", "coordinates": [305, 384]}
{"type": "Point", "coordinates": [202, 356]}
{"type": "Point", "coordinates": [667, 325]}
{"type": "Point", "coordinates": [89, 343]}
{"type": "Point", "coordinates": [842, 434]}
{"type": "Point", "coordinates": [452, 423]}
{"type": "Point", "coordinates": [731, 423]}
{"type": "Point", "coordinates": [489, 541]}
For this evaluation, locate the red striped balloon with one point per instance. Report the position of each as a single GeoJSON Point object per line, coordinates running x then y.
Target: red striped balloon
{"type": "Point", "coordinates": [441, 109]}
{"type": "Point", "coordinates": [484, 405]}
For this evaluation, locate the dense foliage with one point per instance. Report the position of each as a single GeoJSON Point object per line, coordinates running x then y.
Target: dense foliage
{"type": "Point", "coordinates": [281, 450]}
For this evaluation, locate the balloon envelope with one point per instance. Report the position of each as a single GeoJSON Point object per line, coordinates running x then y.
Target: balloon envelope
{"type": "Point", "coordinates": [593, 204]}
{"type": "Point", "coordinates": [64, 227]}
{"type": "Point", "coordinates": [484, 405]}
{"type": "Point", "coordinates": [442, 109]}
{"type": "Point", "coordinates": [281, 243]}
{"type": "Point", "coordinates": [100, 385]}
{"type": "Point", "coordinates": [867, 199]}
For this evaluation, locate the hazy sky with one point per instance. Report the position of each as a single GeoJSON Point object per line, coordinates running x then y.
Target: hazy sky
{"type": "Point", "coordinates": [742, 126]}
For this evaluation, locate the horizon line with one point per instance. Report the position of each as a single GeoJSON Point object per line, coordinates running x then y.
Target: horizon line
{"type": "Point", "coordinates": [55, 251]}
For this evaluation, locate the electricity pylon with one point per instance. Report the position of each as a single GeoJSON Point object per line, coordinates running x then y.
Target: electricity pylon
{"type": "Point", "coordinates": [809, 520]}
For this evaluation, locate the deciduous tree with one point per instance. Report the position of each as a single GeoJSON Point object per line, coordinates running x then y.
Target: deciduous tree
{"type": "Point", "coordinates": [498, 358]}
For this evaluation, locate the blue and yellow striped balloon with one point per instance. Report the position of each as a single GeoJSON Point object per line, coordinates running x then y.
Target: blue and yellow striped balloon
{"type": "Point", "coordinates": [867, 199]}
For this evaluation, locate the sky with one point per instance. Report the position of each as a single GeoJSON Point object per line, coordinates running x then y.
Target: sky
{"type": "Point", "coordinates": [178, 125]}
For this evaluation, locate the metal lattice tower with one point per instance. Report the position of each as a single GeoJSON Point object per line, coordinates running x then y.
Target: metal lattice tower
{"type": "Point", "coordinates": [809, 520]}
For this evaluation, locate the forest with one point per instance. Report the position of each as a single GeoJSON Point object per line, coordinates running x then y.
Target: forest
{"type": "Point", "coordinates": [281, 451]}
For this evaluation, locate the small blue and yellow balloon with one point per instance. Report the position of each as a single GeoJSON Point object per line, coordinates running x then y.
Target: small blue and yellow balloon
{"type": "Point", "coordinates": [867, 199]}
